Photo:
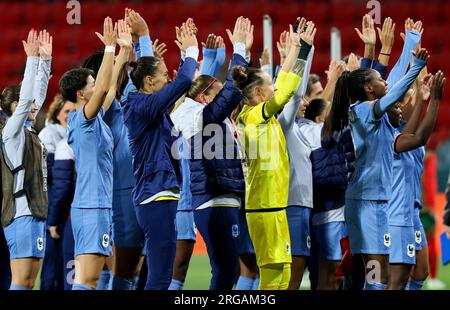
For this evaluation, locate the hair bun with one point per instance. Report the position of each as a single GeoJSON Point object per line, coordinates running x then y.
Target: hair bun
{"type": "Point", "coordinates": [133, 64]}
{"type": "Point", "coordinates": [240, 76]}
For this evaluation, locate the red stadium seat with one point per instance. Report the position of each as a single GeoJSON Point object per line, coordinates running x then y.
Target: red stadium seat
{"type": "Point", "coordinates": [15, 14]}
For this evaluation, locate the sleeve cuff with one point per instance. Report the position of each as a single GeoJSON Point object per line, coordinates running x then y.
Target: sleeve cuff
{"type": "Point", "coordinates": [267, 68]}
{"type": "Point", "coordinates": [192, 52]}
{"type": "Point", "coordinates": [209, 52]}
{"type": "Point", "coordinates": [239, 48]}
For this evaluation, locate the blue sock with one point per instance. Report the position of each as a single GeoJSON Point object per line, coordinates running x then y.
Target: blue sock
{"type": "Point", "coordinates": [120, 284]}
{"type": "Point", "coordinates": [244, 284]}
{"type": "Point", "coordinates": [414, 285]}
{"type": "Point", "coordinates": [15, 287]}
{"type": "Point", "coordinates": [81, 287]}
{"type": "Point", "coordinates": [255, 284]}
{"type": "Point", "coordinates": [176, 285]}
{"type": "Point", "coordinates": [374, 286]}
{"type": "Point", "coordinates": [103, 281]}
{"type": "Point", "coordinates": [134, 284]}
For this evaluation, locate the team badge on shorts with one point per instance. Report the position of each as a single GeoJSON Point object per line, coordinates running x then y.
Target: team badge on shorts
{"type": "Point", "coordinates": [195, 228]}
{"type": "Point", "coordinates": [418, 236]}
{"type": "Point", "coordinates": [387, 240]}
{"type": "Point", "coordinates": [40, 243]}
{"type": "Point", "coordinates": [411, 250]}
{"type": "Point", "coordinates": [235, 230]}
{"type": "Point", "coordinates": [105, 240]}
{"type": "Point", "coordinates": [308, 242]}
{"type": "Point", "coordinates": [288, 248]}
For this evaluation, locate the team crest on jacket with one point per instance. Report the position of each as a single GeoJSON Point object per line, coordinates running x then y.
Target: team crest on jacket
{"type": "Point", "coordinates": [411, 250]}
{"type": "Point", "coordinates": [351, 116]}
{"type": "Point", "coordinates": [387, 240]}
{"type": "Point", "coordinates": [235, 230]}
{"type": "Point", "coordinates": [40, 244]}
{"type": "Point", "coordinates": [105, 240]}
{"type": "Point", "coordinates": [418, 236]}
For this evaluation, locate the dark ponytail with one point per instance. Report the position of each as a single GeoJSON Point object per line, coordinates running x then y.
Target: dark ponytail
{"type": "Point", "coordinates": [145, 66]}
{"type": "Point", "coordinates": [349, 89]}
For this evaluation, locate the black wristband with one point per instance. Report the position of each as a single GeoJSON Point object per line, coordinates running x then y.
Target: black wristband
{"type": "Point", "coordinates": [385, 54]}
{"type": "Point", "coordinates": [304, 50]}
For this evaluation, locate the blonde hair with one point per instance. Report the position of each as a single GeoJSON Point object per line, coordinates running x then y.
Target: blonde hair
{"type": "Point", "coordinates": [55, 107]}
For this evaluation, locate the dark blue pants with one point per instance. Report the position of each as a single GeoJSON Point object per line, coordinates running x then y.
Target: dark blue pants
{"type": "Point", "coordinates": [52, 277]}
{"type": "Point", "coordinates": [219, 227]}
{"type": "Point", "coordinates": [5, 270]}
{"type": "Point", "coordinates": [68, 253]}
{"type": "Point", "coordinates": [157, 221]}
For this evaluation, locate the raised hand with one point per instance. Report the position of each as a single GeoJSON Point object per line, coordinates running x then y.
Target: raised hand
{"type": "Point", "coordinates": [191, 25]}
{"type": "Point", "coordinates": [220, 43]}
{"type": "Point", "coordinates": [124, 38]}
{"type": "Point", "coordinates": [410, 25]}
{"type": "Point", "coordinates": [264, 60]}
{"type": "Point", "coordinates": [294, 39]}
{"type": "Point", "coordinates": [301, 24]}
{"type": "Point", "coordinates": [45, 44]}
{"type": "Point", "coordinates": [109, 33]}
{"type": "Point", "coordinates": [309, 34]}
{"type": "Point", "coordinates": [186, 38]}
{"type": "Point", "coordinates": [281, 46]}
{"type": "Point", "coordinates": [437, 87]}
{"type": "Point", "coordinates": [335, 70]}
{"type": "Point", "coordinates": [159, 49]}
{"type": "Point", "coordinates": [422, 54]}
{"type": "Point", "coordinates": [353, 62]}
{"type": "Point", "coordinates": [248, 27]}
{"type": "Point", "coordinates": [210, 41]}
{"type": "Point", "coordinates": [239, 32]}
{"type": "Point", "coordinates": [387, 35]}
{"type": "Point", "coordinates": [136, 22]}
{"type": "Point", "coordinates": [187, 26]}
{"type": "Point", "coordinates": [368, 35]}
{"type": "Point", "coordinates": [31, 46]}
{"type": "Point", "coordinates": [425, 85]}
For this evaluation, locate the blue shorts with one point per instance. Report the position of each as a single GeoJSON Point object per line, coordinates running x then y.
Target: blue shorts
{"type": "Point", "coordinates": [298, 220]}
{"type": "Point", "coordinates": [419, 232]}
{"type": "Point", "coordinates": [402, 249]}
{"type": "Point", "coordinates": [26, 237]}
{"type": "Point", "coordinates": [126, 232]}
{"type": "Point", "coordinates": [367, 226]}
{"type": "Point", "coordinates": [245, 245]}
{"type": "Point", "coordinates": [186, 229]}
{"type": "Point", "coordinates": [91, 231]}
{"type": "Point", "coordinates": [327, 240]}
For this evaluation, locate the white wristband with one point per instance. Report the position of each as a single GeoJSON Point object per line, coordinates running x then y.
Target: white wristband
{"type": "Point", "coordinates": [110, 49]}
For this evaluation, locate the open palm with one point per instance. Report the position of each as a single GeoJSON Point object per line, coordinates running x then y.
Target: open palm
{"type": "Point", "coordinates": [45, 44]}
{"type": "Point", "coordinates": [368, 34]}
{"type": "Point", "coordinates": [124, 38]}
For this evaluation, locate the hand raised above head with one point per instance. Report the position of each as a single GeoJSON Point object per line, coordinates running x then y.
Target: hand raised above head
{"type": "Point", "coordinates": [45, 44]}
{"type": "Point", "coordinates": [109, 37]}
{"type": "Point", "coordinates": [367, 33]}
{"type": "Point", "coordinates": [437, 87]}
{"type": "Point", "coordinates": [31, 46]}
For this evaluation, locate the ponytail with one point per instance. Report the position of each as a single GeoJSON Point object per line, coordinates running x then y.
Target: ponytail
{"type": "Point", "coordinates": [246, 79]}
{"type": "Point", "coordinates": [338, 117]}
{"type": "Point", "coordinates": [145, 66]}
{"type": "Point", "coordinates": [349, 89]}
